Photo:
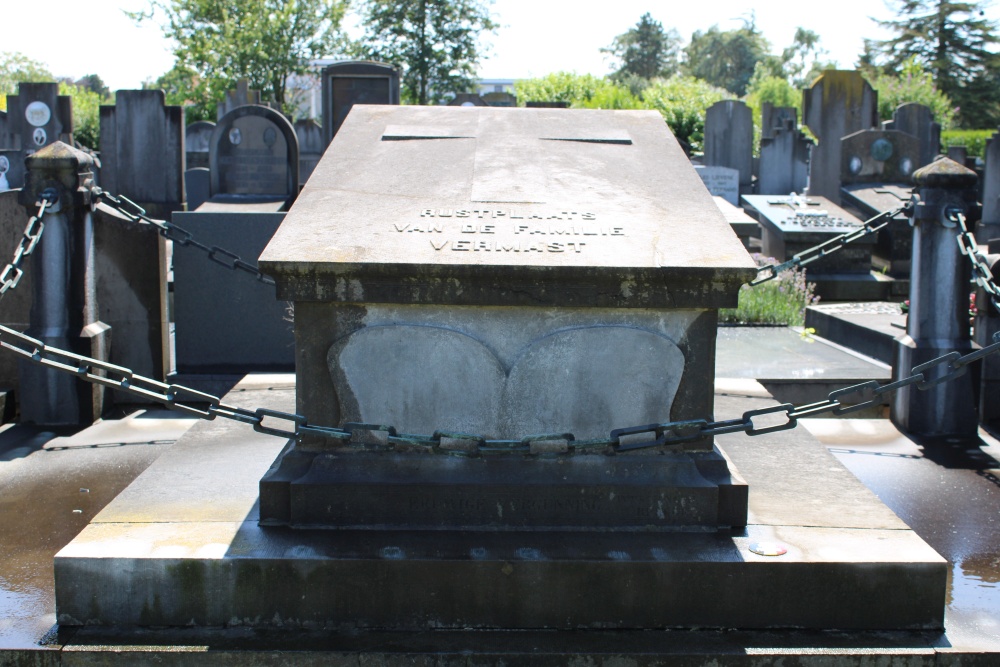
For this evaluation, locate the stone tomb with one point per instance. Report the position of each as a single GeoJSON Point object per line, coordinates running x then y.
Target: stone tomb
{"type": "Point", "coordinates": [793, 224]}
{"type": "Point", "coordinates": [481, 253]}
{"type": "Point", "coordinates": [425, 285]}
{"type": "Point", "coordinates": [254, 153]}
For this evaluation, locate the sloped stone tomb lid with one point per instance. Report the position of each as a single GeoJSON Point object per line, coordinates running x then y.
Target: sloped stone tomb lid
{"type": "Point", "coordinates": [489, 206]}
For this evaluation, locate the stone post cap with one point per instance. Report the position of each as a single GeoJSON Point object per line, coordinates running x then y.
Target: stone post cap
{"type": "Point", "coordinates": [62, 166]}
{"type": "Point", "coordinates": [945, 173]}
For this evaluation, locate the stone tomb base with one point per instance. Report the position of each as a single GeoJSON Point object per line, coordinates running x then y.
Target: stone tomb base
{"type": "Point", "coordinates": [182, 546]}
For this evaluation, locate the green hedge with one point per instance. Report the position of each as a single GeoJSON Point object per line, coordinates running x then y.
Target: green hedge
{"type": "Point", "coordinates": [973, 140]}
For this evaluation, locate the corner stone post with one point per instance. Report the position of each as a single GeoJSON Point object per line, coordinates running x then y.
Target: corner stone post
{"type": "Point", "coordinates": [64, 308]}
{"type": "Point", "coordinates": [938, 321]}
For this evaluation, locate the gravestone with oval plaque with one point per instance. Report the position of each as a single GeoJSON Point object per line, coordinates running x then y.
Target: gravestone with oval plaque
{"type": "Point", "coordinates": [254, 153]}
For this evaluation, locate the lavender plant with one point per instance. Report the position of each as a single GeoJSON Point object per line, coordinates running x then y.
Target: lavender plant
{"type": "Point", "coordinates": [779, 301]}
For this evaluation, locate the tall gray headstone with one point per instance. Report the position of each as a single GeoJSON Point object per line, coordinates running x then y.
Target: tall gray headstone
{"type": "Point", "coordinates": [918, 120]}
{"type": "Point", "coordinates": [989, 225]}
{"type": "Point", "coordinates": [197, 137]}
{"type": "Point", "coordinates": [773, 119]}
{"type": "Point", "coordinates": [355, 82]}
{"type": "Point", "coordinates": [254, 153]}
{"type": "Point", "coordinates": [36, 117]}
{"type": "Point", "coordinates": [783, 166]}
{"type": "Point", "coordinates": [132, 265]}
{"type": "Point", "coordinates": [729, 139]}
{"type": "Point", "coordinates": [839, 103]}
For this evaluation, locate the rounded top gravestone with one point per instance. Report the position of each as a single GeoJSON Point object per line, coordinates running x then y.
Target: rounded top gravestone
{"type": "Point", "coordinates": [254, 152]}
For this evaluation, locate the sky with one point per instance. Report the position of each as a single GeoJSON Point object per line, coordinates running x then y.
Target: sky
{"type": "Point", "coordinates": [537, 37]}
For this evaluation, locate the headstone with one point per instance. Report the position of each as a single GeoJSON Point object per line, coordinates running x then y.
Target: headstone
{"type": "Point", "coordinates": [792, 224]}
{"type": "Point", "coordinates": [36, 117]}
{"type": "Point", "coordinates": [197, 138]}
{"type": "Point", "coordinates": [131, 263]}
{"type": "Point", "coordinates": [254, 153]}
{"type": "Point", "coordinates": [959, 154]}
{"type": "Point", "coordinates": [918, 120]}
{"type": "Point", "coordinates": [783, 166]}
{"type": "Point", "coordinates": [477, 269]}
{"type": "Point", "coordinates": [729, 139]}
{"type": "Point", "coordinates": [11, 169]}
{"type": "Point", "coordinates": [989, 225]}
{"type": "Point", "coordinates": [198, 184]}
{"type": "Point", "coordinates": [839, 103]}
{"type": "Point", "coordinates": [500, 99]}
{"type": "Point", "coordinates": [242, 96]}
{"type": "Point", "coordinates": [8, 139]}
{"type": "Point", "coordinates": [894, 245]}
{"type": "Point", "coordinates": [467, 100]}
{"type": "Point", "coordinates": [227, 323]}
{"type": "Point", "coordinates": [878, 156]}
{"type": "Point", "coordinates": [547, 105]}
{"type": "Point", "coordinates": [773, 119]}
{"type": "Point", "coordinates": [311, 146]}
{"type": "Point", "coordinates": [722, 182]}
{"type": "Point", "coordinates": [355, 82]}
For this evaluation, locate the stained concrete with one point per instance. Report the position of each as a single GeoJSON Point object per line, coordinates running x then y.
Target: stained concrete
{"type": "Point", "coordinates": [182, 545]}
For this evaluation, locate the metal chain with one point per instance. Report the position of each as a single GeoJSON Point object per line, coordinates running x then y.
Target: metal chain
{"type": "Point", "coordinates": [983, 276]}
{"type": "Point", "coordinates": [12, 273]}
{"type": "Point", "coordinates": [872, 225]}
{"type": "Point", "coordinates": [376, 437]}
{"type": "Point", "coordinates": [179, 235]}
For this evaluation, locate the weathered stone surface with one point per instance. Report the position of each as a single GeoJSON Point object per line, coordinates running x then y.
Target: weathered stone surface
{"type": "Point", "coordinates": [839, 103]}
{"type": "Point", "coordinates": [182, 544]}
{"type": "Point", "coordinates": [197, 138]}
{"type": "Point", "coordinates": [507, 206]}
{"type": "Point", "coordinates": [255, 153]}
{"type": "Point", "coordinates": [879, 156]}
{"type": "Point", "coordinates": [729, 138]}
{"type": "Point", "coordinates": [918, 120]}
{"type": "Point", "coordinates": [355, 82]}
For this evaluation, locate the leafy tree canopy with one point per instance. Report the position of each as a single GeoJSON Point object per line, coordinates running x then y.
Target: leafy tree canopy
{"type": "Point", "coordinates": [955, 43]}
{"type": "Point", "coordinates": [437, 43]}
{"type": "Point", "coordinates": [912, 84]}
{"type": "Point", "coordinates": [219, 42]}
{"type": "Point", "coordinates": [646, 51]}
{"type": "Point", "coordinates": [725, 58]}
{"type": "Point", "coordinates": [16, 67]}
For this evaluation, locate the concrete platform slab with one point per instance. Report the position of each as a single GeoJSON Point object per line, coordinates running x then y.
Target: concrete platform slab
{"type": "Point", "coordinates": [868, 328]}
{"type": "Point", "coordinates": [182, 546]}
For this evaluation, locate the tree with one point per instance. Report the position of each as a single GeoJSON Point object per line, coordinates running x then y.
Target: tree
{"type": "Point", "coordinates": [953, 41]}
{"type": "Point", "coordinates": [219, 42]}
{"type": "Point", "coordinates": [912, 84]}
{"type": "Point", "coordinates": [16, 67]}
{"type": "Point", "coordinates": [435, 41]}
{"type": "Point", "coordinates": [726, 59]}
{"type": "Point", "coordinates": [646, 51]}
{"type": "Point", "coordinates": [93, 83]}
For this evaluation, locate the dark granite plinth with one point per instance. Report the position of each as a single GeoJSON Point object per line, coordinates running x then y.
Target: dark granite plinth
{"type": "Point", "coordinates": [425, 491]}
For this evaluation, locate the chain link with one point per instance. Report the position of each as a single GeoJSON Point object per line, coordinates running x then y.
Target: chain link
{"type": "Point", "coordinates": [376, 437]}
{"type": "Point", "coordinates": [982, 274]}
{"type": "Point", "coordinates": [179, 235]}
{"type": "Point", "coordinates": [872, 225]}
{"type": "Point", "coordinates": [12, 273]}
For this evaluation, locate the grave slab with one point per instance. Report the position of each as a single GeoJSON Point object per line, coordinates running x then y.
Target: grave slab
{"type": "Point", "coordinates": [182, 546]}
{"type": "Point", "coordinates": [869, 328]}
{"type": "Point", "coordinates": [794, 224]}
